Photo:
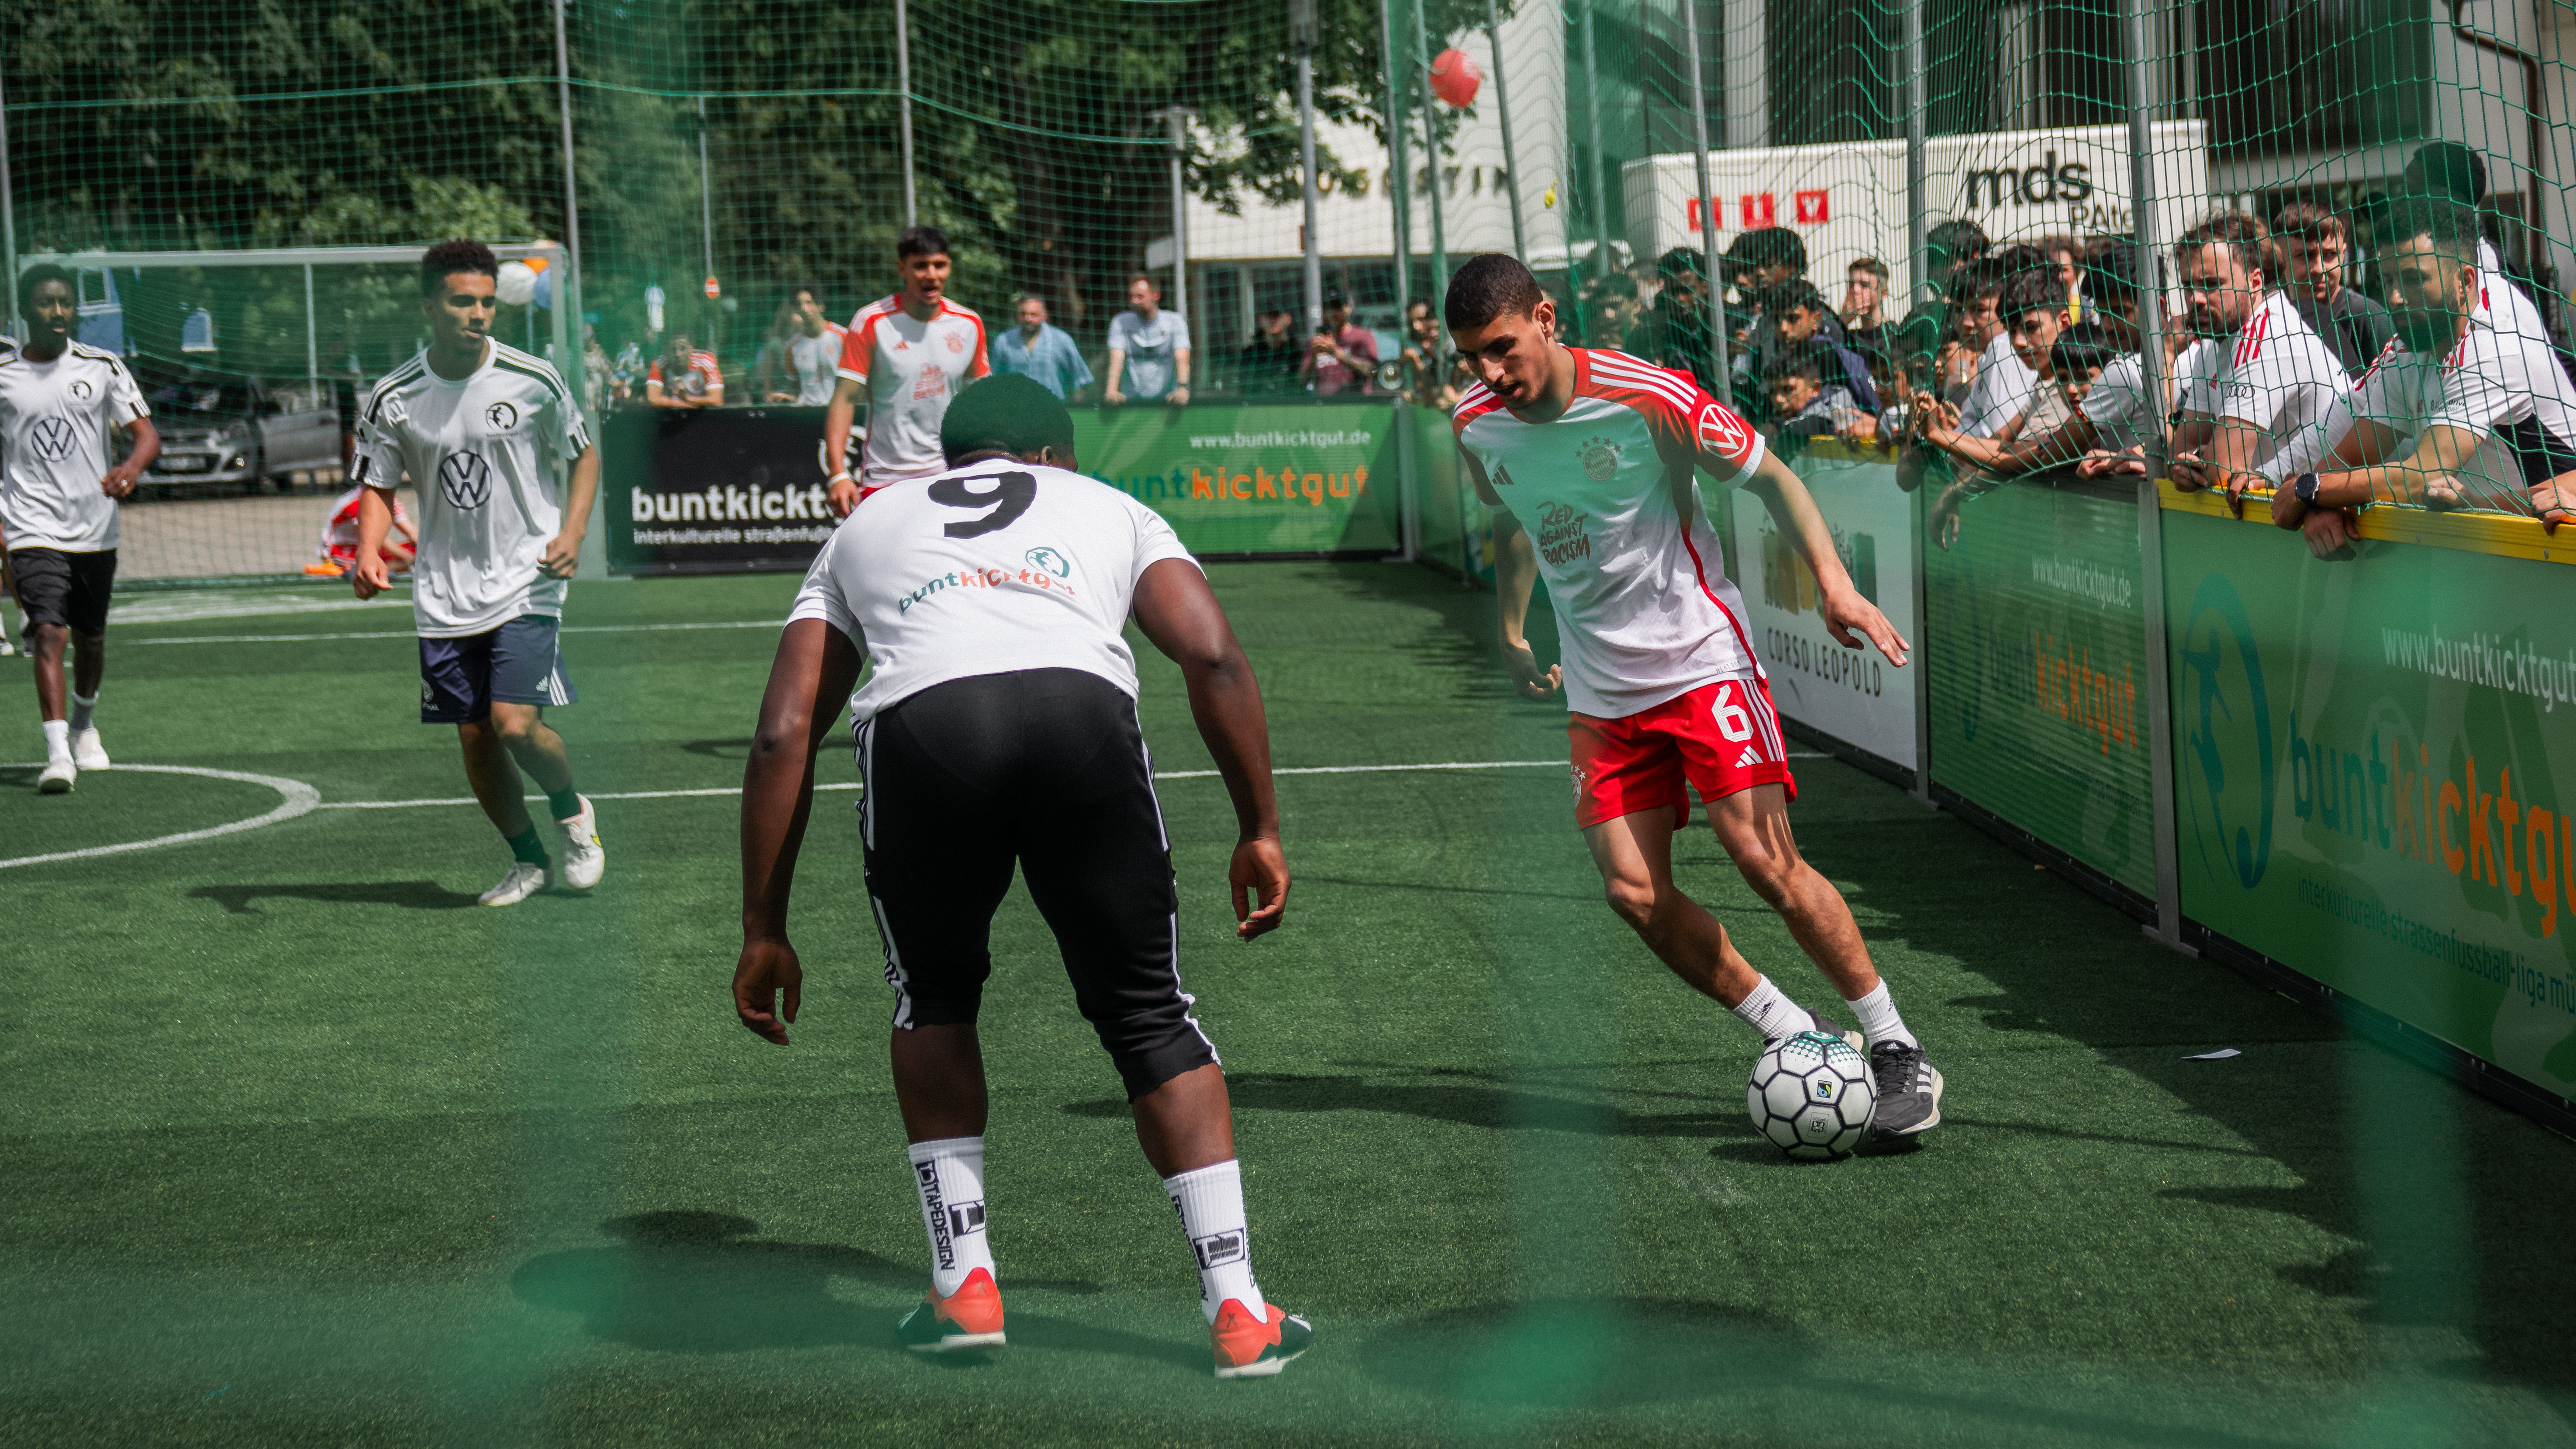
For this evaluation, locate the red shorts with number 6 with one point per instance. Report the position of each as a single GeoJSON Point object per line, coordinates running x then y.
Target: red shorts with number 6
{"type": "Point", "coordinates": [1721, 737]}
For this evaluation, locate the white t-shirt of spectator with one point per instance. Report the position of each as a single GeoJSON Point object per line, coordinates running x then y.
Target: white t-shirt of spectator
{"type": "Point", "coordinates": [2285, 380]}
{"type": "Point", "coordinates": [485, 455]}
{"type": "Point", "coordinates": [816, 360]}
{"type": "Point", "coordinates": [2504, 306]}
{"type": "Point", "coordinates": [997, 567]}
{"type": "Point", "coordinates": [57, 422]}
{"type": "Point", "coordinates": [2122, 414]}
{"type": "Point", "coordinates": [2498, 384]}
{"type": "Point", "coordinates": [2195, 372]}
{"type": "Point", "coordinates": [2003, 390]}
{"type": "Point", "coordinates": [1151, 366]}
{"type": "Point", "coordinates": [911, 369]}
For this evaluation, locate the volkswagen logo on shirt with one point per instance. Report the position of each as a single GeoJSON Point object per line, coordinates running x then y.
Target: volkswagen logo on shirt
{"type": "Point", "coordinates": [465, 478]}
{"type": "Point", "coordinates": [1720, 431]}
{"type": "Point", "coordinates": [501, 416]}
{"type": "Point", "coordinates": [53, 438]}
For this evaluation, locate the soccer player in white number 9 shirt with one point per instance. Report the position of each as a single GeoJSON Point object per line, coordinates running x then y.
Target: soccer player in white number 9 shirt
{"type": "Point", "coordinates": [2274, 401]}
{"type": "Point", "coordinates": [999, 726]}
{"type": "Point", "coordinates": [908, 354]}
{"type": "Point", "coordinates": [2491, 413]}
{"type": "Point", "coordinates": [482, 429]}
{"type": "Point", "coordinates": [61, 402]}
{"type": "Point", "coordinates": [1595, 453]}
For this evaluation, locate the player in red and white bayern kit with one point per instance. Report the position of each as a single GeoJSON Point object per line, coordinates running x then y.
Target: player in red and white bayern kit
{"type": "Point", "coordinates": [1588, 461]}
{"type": "Point", "coordinates": [908, 353]}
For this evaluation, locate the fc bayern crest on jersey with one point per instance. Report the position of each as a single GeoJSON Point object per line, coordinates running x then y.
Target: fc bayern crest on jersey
{"type": "Point", "coordinates": [466, 479]}
{"type": "Point", "coordinates": [501, 417]}
{"type": "Point", "coordinates": [53, 438]}
{"type": "Point", "coordinates": [1600, 459]}
{"type": "Point", "coordinates": [1720, 431]}
{"type": "Point", "coordinates": [956, 343]}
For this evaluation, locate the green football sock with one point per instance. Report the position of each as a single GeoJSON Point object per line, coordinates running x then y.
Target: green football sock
{"type": "Point", "coordinates": [527, 847]}
{"type": "Point", "coordinates": [566, 802]}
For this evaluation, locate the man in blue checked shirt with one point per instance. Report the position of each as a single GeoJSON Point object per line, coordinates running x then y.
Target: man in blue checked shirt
{"type": "Point", "coordinates": [1041, 352]}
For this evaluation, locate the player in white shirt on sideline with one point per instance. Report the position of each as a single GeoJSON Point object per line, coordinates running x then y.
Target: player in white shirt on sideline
{"type": "Point", "coordinates": [1597, 453]}
{"type": "Point", "coordinates": [1149, 349]}
{"type": "Point", "coordinates": [999, 727]}
{"type": "Point", "coordinates": [814, 345]}
{"type": "Point", "coordinates": [2491, 412]}
{"type": "Point", "coordinates": [2274, 403]}
{"type": "Point", "coordinates": [61, 402]}
{"type": "Point", "coordinates": [482, 428]}
{"type": "Point", "coordinates": [908, 354]}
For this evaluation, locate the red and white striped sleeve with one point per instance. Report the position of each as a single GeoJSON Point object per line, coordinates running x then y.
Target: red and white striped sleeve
{"type": "Point", "coordinates": [1691, 428]}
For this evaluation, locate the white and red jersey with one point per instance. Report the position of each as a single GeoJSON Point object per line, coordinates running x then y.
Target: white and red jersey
{"type": "Point", "coordinates": [702, 377]}
{"type": "Point", "coordinates": [1609, 494]}
{"type": "Point", "coordinates": [340, 534]}
{"type": "Point", "coordinates": [911, 369]}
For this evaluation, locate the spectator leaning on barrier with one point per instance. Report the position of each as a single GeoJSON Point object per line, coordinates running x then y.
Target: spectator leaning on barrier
{"type": "Point", "coordinates": [2001, 389]}
{"type": "Point", "coordinates": [684, 377]}
{"type": "Point", "coordinates": [1863, 312]}
{"type": "Point", "coordinates": [1797, 315]}
{"type": "Point", "coordinates": [814, 344]}
{"type": "Point", "coordinates": [1041, 352]}
{"type": "Point", "coordinates": [1149, 349]}
{"type": "Point", "coordinates": [2277, 394]}
{"type": "Point", "coordinates": [1341, 356]}
{"type": "Point", "coordinates": [2313, 244]}
{"type": "Point", "coordinates": [2491, 413]}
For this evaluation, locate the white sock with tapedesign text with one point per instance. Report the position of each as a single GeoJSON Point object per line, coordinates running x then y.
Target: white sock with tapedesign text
{"type": "Point", "coordinates": [949, 1171]}
{"type": "Point", "coordinates": [1210, 1202]}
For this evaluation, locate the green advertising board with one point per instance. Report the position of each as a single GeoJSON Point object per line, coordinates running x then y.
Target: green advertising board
{"type": "Point", "coordinates": [1254, 478]}
{"type": "Point", "coordinates": [2034, 647]}
{"type": "Point", "coordinates": [2366, 776]}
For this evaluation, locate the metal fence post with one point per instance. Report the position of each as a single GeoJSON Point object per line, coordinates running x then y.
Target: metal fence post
{"type": "Point", "coordinates": [1302, 35]}
{"type": "Point", "coordinates": [1714, 290]}
{"type": "Point", "coordinates": [1919, 286]}
{"type": "Point", "coordinates": [1399, 175]}
{"type": "Point", "coordinates": [9, 221]}
{"type": "Point", "coordinates": [1431, 167]}
{"type": "Point", "coordinates": [1503, 113]}
{"type": "Point", "coordinates": [903, 106]}
{"type": "Point", "coordinates": [2151, 561]}
{"type": "Point", "coordinates": [1592, 104]}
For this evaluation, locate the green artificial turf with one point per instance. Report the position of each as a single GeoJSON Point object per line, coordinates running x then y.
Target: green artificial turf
{"type": "Point", "coordinates": [303, 1148]}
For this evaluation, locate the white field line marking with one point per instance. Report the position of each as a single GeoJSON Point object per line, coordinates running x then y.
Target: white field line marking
{"type": "Point", "coordinates": [300, 798]}
{"type": "Point", "coordinates": [852, 785]}
{"type": "Point", "coordinates": [411, 634]}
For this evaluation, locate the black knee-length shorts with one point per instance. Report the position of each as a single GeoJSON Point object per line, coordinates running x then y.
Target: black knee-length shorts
{"type": "Point", "coordinates": [1045, 768]}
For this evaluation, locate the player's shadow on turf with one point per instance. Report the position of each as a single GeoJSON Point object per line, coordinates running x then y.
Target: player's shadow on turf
{"type": "Point", "coordinates": [1464, 1103]}
{"type": "Point", "coordinates": [700, 1282]}
{"type": "Point", "coordinates": [417, 895]}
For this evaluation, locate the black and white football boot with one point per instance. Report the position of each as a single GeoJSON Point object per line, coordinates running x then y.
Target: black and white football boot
{"type": "Point", "coordinates": [1909, 1091]}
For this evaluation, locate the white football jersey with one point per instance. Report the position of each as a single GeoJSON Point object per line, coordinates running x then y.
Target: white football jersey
{"type": "Point", "coordinates": [2285, 380]}
{"type": "Point", "coordinates": [56, 424]}
{"type": "Point", "coordinates": [2499, 384]}
{"type": "Point", "coordinates": [911, 369]}
{"type": "Point", "coordinates": [991, 568]}
{"type": "Point", "coordinates": [1610, 498]}
{"type": "Point", "coordinates": [2004, 389]}
{"type": "Point", "coordinates": [483, 456]}
{"type": "Point", "coordinates": [2121, 412]}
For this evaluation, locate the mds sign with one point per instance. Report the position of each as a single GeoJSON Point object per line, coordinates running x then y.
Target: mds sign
{"type": "Point", "coordinates": [1848, 201]}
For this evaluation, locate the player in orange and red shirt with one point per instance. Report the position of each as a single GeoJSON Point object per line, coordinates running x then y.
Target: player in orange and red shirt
{"type": "Point", "coordinates": [1597, 454]}
{"type": "Point", "coordinates": [908, 353]}
{"type": "Point", "coordinates": [684, 377]}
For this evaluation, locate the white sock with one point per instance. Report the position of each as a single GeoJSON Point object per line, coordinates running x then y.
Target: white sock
{"type": "Point", "coordinates": [82, 709]}
{"type": "Point", "coordinates": [950, 1174]}
{"type": "Point", "coordinates": [1769, 1011]}
{"type": "Point", "coordinates": [1210, 1202]}
{"type": "Point", "coordinates": [1879, 1021]}
{"type": "Point", "coordinates": [58, 739]}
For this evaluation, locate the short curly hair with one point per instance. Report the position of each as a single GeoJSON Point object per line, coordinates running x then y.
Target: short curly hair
{"type": "Point", "coordinates": [450, 257]}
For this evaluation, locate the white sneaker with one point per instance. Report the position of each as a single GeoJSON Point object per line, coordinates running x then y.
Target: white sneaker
{"type": "Point", "coordinates": [58, 776]}
{"type": "Point", "coordinates": [87, 752]}
{"type": "Point", "coordinates": [583, 860]}
{"type": "Point", "coordinates": [6, 648]}
{"type": "Point", "coordinates": [523, 881]}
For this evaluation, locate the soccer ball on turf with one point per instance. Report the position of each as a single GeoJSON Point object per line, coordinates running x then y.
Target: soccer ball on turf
{"type": "Point", "coordinates": [1811, 1095]}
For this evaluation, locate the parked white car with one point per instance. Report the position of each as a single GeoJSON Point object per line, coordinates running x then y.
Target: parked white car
{"type": "Point", "coordinates": [235, 431]}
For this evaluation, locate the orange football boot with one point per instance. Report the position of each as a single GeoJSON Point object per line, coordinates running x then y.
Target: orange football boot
{"type": "Point", "coordinates": [971, 1317]}
{"type": "Point", "coordinates": [1248, 1347]}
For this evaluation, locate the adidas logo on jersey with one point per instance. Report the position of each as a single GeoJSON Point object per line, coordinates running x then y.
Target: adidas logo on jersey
{"type": "Point", "coordinates": [1751, 756]}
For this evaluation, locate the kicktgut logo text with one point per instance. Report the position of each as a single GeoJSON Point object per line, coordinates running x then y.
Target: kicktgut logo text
{"type": "Point", "coordinates": [998, 576]}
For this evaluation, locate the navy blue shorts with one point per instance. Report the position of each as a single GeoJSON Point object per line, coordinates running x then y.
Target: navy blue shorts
{"type": "Point", "coordinates": [518, 663]}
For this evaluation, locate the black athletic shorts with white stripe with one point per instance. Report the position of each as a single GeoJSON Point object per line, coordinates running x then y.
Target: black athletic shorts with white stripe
{"type": "Point", "coordinates": [1046, 768]}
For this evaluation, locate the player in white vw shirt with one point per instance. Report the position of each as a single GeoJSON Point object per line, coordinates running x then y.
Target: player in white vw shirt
{"type": "Point", "coordinates": [2274, 403]}
{"type": "Point", "coordinates": [1588, 461]}
{"type": "Point", "coordinates": [2491, 413]}
{"type": "Point", "coordinates": [999, 729]}
{"type": "Point", "coordinates": [482, 430]}
{"type": "Point", "coordinates": [908, 354]}
{"type": "Point", "coordinates": [61, 404]}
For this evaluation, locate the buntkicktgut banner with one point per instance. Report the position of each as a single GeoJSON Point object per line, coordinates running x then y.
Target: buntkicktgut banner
{"type": "Point", "coordinates": [741, 489]}
{"type": "Point", "coordinates": [2035, 656]}
{"type": "Point", "coordinates": [1853, 695]}
{"type": "Point", "coordinates": [2365, 771]}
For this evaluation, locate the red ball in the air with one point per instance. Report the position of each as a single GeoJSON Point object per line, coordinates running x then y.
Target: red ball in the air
{"type": "Point", "coordinates": [1454, 78]}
